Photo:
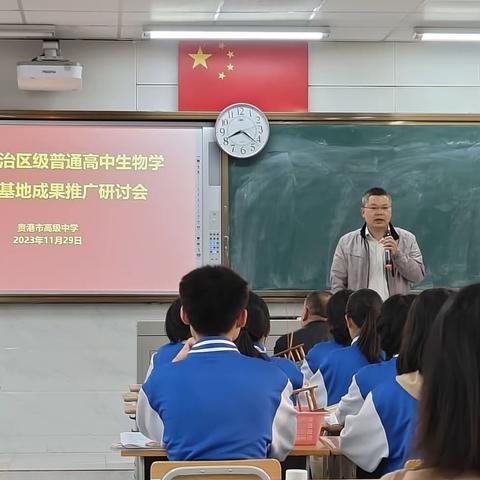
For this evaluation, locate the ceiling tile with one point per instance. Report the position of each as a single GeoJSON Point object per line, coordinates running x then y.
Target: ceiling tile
{"type": "Point", "coordinates": [173, 6]}
{"type": "Point", "coordinates": [145, 18]}
{"type": "Point", "coordinates": [369, 34]}
{"type": "Point", "coordinates": [442, 6]}
{"type": "Point", "coordinates": [10, 17]}
{"type": "Point", "coordinates": [86, 32]}
{"type": "Point", "coordinates": [371, 5]}
{"type": "Point", "coordinates": [72, 5]}
{"type": "Point", "coordinates": [270, 6]}
{"type": "Point", "coordinates": [72, 18]}
{"type": "Point", "coordinates": [263, 17]}
{"type": "Point", "coordinates": [360, 19]}
{"type": "Point", "coordinates": [8, 5]}
{"type": "Point", "coordinates": [401, 34]}
{"type": "Point", "coordinates": [131, 33]}
{"type": "Point", "coordinates": [435, 19]}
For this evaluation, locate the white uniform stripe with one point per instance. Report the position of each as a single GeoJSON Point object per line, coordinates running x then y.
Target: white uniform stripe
{"type": "Point", "coordinates": [284, 427]}
{"type": "Point", "coordinates": [218, 349]}
{"type": "Point", "coordinates": [351, 402]}
{"type": "Point", "coordinates": [148, 420]}
{"type": "Point", "coordinates": [363, 439]}
{"type": "Point", "coordinates": [202, 343]}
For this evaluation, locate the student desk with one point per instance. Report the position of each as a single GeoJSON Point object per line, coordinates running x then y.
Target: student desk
{"type": "Point", "coordinates": [146, 456]}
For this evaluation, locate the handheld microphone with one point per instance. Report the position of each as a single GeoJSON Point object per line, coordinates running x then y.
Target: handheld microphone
{"type": "Point", "coordinates": [388, 254]}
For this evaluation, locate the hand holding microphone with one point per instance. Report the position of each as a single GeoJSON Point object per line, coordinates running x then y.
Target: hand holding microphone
{"type": "Point", "coordinates": [390, 246]}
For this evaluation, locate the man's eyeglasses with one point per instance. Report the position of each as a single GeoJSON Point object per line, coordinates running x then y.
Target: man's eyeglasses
{"type": "Point", "coordinates": [379, 209]}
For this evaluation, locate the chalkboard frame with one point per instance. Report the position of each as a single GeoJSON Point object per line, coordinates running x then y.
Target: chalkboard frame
{"type": "Point", "coordinates": [311, 118]}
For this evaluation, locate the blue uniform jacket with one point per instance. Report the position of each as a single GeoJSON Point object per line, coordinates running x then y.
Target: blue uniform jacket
{"type": "Point", "coordinates": [291, 370]}
{"type": "Point", "coordinates": [218, 404]}
{"type": "Point", "coordinates": [363, 382]}
{"type": "Point", "coordinates": [316, 355]}
{"type": "Point", "coordinates": [380, 437]}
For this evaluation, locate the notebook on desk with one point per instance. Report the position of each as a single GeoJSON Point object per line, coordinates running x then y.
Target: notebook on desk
{"type": "Point", "coordinates": [136, 440]}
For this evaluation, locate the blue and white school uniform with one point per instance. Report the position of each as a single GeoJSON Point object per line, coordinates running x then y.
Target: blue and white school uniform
{"type": "Point", "coordinates": [217, 405]}
{"type": "Point", "coordinates": [363, 382]}
{"type": "Point", "coordinates": [316, 355]}
{"type": "Point", "coordinates": [291, 370]}
{"type": "Point", "coordinates": [165, 354]}
{"type": "Point", "coordinates": [335, 373]}
{"type": "Point", "coordinates": [380, 437]}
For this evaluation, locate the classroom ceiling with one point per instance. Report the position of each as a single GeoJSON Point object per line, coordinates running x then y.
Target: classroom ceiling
{"type": "Point", "coordinates": [349, 20]}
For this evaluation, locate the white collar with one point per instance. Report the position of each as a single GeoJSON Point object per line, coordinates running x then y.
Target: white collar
{"type": "Point", "coordinates": [213, 344]}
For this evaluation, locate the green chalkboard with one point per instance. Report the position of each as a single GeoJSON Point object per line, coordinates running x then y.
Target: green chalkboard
{"type": "Point", "coordinates": [289, 205]}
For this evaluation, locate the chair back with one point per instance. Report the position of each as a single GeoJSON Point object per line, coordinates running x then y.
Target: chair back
{"type": "Point", "coordinates": [268, 469]}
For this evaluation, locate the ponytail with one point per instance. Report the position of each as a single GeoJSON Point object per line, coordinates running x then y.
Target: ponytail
{"type": "Point", "coordinates": [246, 345]}
{"type": "Point", "coordinates": [256, 329]}
{"type": "Point", "coordinates": [363, 308]}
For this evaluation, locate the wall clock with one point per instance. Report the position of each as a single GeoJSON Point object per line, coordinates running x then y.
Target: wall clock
{"type": "Point", "coordinates": [242, 130]}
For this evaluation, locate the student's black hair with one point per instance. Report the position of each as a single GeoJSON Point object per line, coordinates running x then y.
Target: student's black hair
{"type": "Point", "coordinates": [256, 328]}
{"type": "Point", "coordinates": [336, 317]}
{"type": "Point", "coordinates": [391, 322]}
{"type": "Point", "coordinates": [213, 297]}
{"type": "Point", "coordinates": [316, 303]}
{"type": "Point", "coordinates": [175, 329]}
{"type": "Point", "coordinates": [449, 413]}
{"type": "Point", "coordinates": [363, 307]}
{"type": "Point", "coordinates": [420, 319]}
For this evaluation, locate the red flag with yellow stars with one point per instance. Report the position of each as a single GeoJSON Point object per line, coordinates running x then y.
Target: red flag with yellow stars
{"type": "Point", "coordinates": [271, 75]}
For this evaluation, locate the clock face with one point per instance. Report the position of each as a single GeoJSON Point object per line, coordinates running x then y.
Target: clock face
{"type": "Point", "coordinates": [242, 130]}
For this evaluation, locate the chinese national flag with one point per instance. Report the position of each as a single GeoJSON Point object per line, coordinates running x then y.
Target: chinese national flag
{"type": "Point", "coordinates": [271, 75]}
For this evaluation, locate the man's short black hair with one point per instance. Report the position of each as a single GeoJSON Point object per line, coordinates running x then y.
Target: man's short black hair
{"type": "Point", "coordinates": [213, 297]}
{"type": "Point", "coordinates": [377, 192]}
{"type": "Point", "coordinates": [316, 303]}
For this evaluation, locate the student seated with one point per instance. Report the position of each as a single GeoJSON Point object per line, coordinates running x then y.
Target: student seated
{"type": "Point", "coordinates": [177, 332]}
{"type": "Point", "coordinates": [448, 434]}
{"type": "Point", "coordinates": [390, 327]}
{"type": "Point", "coordinates": [314, 324]}
{"type": "Point", "coordinates": [251, 340]}
{"type": "Point", "coordinates": [335, 373]}
{"type": "Point", "coordinates": [211, 402]}
{"type": "Point", "coordinates": [338, 329]}
{"type": "Point", "coordinates": [379, 438]}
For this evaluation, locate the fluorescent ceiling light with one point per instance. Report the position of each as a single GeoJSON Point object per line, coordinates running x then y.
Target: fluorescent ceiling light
{"type": "Point", "coordinates": [234, 33]}
{"type": "Point", "coordinates": [27, 31]}
{"type": "Point", "coordinates": [447, 34]}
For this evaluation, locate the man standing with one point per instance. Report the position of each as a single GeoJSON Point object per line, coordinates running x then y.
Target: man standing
{"type": "Point", "coordinates": [314, 329]}
{"type": "Point", "coordinates": [361, 261]}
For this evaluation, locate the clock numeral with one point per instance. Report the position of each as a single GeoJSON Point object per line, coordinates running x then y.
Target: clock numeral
{"type": "Point", "coordinates": [241, 111]}
{"type": "Point", "coordinates": [260, 129]}
{"type": "Point", "coordinates": [225, 141]}
{"type": "Point", "coordinates": [252, 147]}
{"type": "Point", "coordinates": [224, 121]}
{"type": "Point", "coordinates": [257, 119]}
{"type": "Point", "coordinates": [230, 114]}
{"type": "Point", "coordinates": [243, 150]}
{"type": "Point", "coordinates": [222, 131]}
{"type": "Point", "coordinates": [259, 139]}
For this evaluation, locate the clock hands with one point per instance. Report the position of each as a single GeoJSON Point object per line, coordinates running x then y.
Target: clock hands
{"type": "Point", "coordinates": [244, 132]}
{"type": "Point", "coordinates": [248, 135]}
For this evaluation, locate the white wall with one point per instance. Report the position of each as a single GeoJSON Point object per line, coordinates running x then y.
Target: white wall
{"type": "Point", "coordinates": [63, 367]}
{"type": "Point", "coordinates": [343, 77]}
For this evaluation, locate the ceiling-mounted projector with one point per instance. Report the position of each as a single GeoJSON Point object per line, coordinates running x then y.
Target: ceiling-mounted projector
{"type": "Point", "coordinates": [49, 71]}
